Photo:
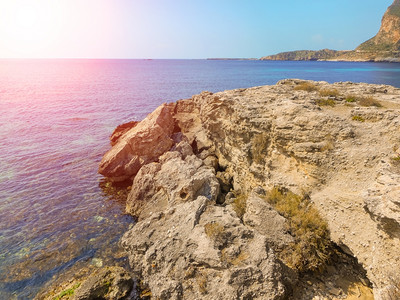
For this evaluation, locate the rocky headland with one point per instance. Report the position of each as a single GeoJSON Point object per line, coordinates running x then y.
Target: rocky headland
{"type": "Point", "coordinates": [384, 46]}
{"type": "Point", "coordinates": [290, 191]}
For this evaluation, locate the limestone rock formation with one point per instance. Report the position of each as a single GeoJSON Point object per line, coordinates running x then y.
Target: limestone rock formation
{"type": "Point", "coordinates": [206, 229]}
{"type": "Point", "coordinates": [179, 176]}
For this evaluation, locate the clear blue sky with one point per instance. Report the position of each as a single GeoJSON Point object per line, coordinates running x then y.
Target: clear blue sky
{"type": "Point", "coordinates": [183, 28]}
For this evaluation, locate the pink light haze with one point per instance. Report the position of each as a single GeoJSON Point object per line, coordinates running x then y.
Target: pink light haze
{"type": "Point", "coordinates": [56, 28]}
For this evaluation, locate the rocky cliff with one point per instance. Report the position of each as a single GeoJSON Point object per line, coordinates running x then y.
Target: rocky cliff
{"type": "Point", "coordinates": [288, 191]}
{"type": "Point", "coordinates": [385, 46]}
{"type": "Point", "coordinates": [388, 37]}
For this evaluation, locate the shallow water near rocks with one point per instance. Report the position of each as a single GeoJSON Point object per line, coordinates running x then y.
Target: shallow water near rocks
{"type": "Point", "coordinates": [56, 212]}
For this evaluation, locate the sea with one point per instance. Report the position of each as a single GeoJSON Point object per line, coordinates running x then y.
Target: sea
{"type": "Point", "coordinates": [57, 214]}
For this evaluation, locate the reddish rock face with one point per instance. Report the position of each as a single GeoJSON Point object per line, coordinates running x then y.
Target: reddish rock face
{"type": "Point", "coordinates": [388, 37]}
{"type": "Point", "coordinates": [120, 131]}
{"type": "Point", "coordinates": [140, 145]}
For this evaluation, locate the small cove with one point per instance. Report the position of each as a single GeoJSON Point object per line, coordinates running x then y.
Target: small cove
{"type": "Point", "coordinates": [56, 117]}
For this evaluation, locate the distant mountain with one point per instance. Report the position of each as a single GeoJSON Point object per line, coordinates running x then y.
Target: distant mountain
{"type": "Point", "coordinates": [388, 37]}
{"type": "Point", "coordinates": [384, 46]}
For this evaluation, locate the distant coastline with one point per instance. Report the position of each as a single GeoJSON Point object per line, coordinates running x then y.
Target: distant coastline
{"type": "Point", "coordinates": [217, 58]}
{"type": "Point", "coordinates": [383, 47]}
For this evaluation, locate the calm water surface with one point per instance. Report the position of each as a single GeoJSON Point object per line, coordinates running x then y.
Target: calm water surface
{"type": "Point", "coordinates": [55, 120]}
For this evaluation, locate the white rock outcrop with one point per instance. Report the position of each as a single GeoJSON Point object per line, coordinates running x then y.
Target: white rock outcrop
{"type": "Point", "coordinates": [321, 142]}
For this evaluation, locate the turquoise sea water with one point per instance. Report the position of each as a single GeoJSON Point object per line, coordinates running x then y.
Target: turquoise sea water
{"type": "Point", "coordinates": [55, 120]}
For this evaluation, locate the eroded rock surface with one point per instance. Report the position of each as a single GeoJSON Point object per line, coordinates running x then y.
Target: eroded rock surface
{"type": "Point", "coordinates": [336, 144]}
{"type": "Point", "coordinates": [200, 251]}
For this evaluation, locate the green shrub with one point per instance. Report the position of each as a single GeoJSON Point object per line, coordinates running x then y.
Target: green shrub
{"type": "Point", "coordinates": [312, 247]}
{"type": "Point", "coordinates": [396, 160]}
{"type": "Point", "coordinates": [325, 102]}
{"type": "Point", "coordinates": [358, 118]}
{"type": "Point", "coordinates": [306, 86]}
{"type": "Point", "coordinates": [351, 98]}
{"type": "Point", "coordinates": [329, 93]}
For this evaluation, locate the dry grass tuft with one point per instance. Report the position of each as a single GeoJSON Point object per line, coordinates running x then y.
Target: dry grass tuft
{"type": "Point", "coordinates": [312, 247]}
{"type": "Point", "coordinates": [202, 283]}
{"type": "Point", "coordinates": [259, 146]}
{"type": "Point", "coordinates": [393, 291]}
{"type": "Point", "coordinates": [214, 230]}
{"type": "Point", "coordinates": [369, 101]}
{"type": "Point", "coordinates": [306, 86]}
{"type": "Point", "coordinates": [239, 205]}
{"type": "Point", "coordinates": [240, 258]}
{"type": "Point", "coordinates": [329, 93]}
{"type": "Point", "coordinates": [325, 102]}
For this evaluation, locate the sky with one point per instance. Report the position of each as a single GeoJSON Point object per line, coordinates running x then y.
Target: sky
{"type": "Point", "coordinates": [186, 29]}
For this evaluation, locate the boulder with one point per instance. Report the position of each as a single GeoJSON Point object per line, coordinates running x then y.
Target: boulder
{"type": "Point", "coordinates": [179, 176]}
{"type": "Point", "coordinates": [264, 219]}
{"type": "Point", "coordinates": [142, 144]}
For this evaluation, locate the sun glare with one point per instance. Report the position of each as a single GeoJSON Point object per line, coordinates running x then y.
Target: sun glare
{"type": "Point", "coordinates": [27, 27]}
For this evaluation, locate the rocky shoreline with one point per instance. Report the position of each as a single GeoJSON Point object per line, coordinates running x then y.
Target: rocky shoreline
{"type": "Point", "coordinates": [288, 191]}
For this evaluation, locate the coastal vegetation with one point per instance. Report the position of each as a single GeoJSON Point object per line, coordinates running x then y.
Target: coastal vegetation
{"type": "Point", "coordinates": [312, 247]}
{"type": "Point", "coordinates": [214, 230]}
{"type": "Point", "coordinates": [259, 146]}
{"type": "Point", "coordinates": [325, 102]}
{"type": "Point", "coordinates": [369, 101]}
{"type": "Point", "coordinates": [329, 93]}
{"type": "Point", "coordinates": [306, 86]}
{"type": "Point", "coordinates": [358, 118]}
{"type": "Point", "coordinates": [239, 204]}
{"type": "Point", "coordinates": [68, 292]}
{"type": "Point", "coordinates": [363, 100]}
{"type": "Point", "coordinates": [351, 98]}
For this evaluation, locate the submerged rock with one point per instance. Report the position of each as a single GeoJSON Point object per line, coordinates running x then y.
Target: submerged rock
{"type": "Point", "coordinates": [108, 283]}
